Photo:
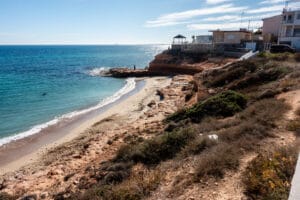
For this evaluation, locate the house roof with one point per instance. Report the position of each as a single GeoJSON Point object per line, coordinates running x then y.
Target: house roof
{"type": "Point", "coordinates": [179, 37]}
{"type": "Point", "coordinates": [272, 17]}
{"type": "Point", "coordinates": [241, 31]}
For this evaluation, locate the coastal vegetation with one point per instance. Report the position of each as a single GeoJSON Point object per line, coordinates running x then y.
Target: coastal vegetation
{"type": "Point", "coordinates": [224, 104]}
{"type": "Point", "coordinates": [269, 175]}
{"type": "Point", "coordinates": [234, 132]}
{"type": "Point", "coordinates": [188, 134]}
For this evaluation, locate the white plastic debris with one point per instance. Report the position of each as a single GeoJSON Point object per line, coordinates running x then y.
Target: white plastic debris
{"type": "Point", "coordinates": [213, 137]}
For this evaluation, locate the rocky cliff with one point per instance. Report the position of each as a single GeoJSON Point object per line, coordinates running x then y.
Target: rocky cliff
{"type": "Point", "coordinates": [173, 63]}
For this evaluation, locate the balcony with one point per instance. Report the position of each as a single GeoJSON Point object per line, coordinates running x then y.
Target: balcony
{"type": "Point", "coordinates": [289, 21]}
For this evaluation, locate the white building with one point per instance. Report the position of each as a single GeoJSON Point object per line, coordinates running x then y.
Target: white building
{"type": "Point", "coordinates": [289, 31]}
{"type": "Point", "coordinates": [202, 39]}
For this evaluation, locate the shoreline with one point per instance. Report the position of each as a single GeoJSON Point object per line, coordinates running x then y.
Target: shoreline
{"type": "Point", "coordinates": [131, 85]}
{"type": "Point", "coordinates": [20, 153]}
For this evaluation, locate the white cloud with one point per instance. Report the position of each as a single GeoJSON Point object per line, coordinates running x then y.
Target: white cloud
{"type": "Point", "coordinates": [266, 9]}
{"type": "Point", "coordinates": [223, 26]}
{"type": "Point", "coordinates": [179, 17]}
{"type": "Point", "coordinates": [235, 18]}
{"type": "Point", "coordinates": [222, 18]}
{"type": "Point", "coordinates": [272, 1]}
{"type": "Point", "coordinates": [216, 1]}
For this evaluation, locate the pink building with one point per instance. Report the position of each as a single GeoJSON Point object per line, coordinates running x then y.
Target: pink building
{"type": "Point", "coordinates": [271, 28]}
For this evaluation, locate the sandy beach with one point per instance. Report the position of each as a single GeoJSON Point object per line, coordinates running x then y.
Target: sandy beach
{"type": "Point", "coordinates": [20, 153]}
{"type": "Point", "coordinates": [85, 146]}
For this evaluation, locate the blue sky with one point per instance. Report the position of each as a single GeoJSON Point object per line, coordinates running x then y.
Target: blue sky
{"type": "Point", "coordinates": [124, 21]}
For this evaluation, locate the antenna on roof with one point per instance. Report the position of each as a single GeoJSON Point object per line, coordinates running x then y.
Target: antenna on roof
{"type": "Point", "coordinates": [242, 14]}
{"type": "Point", "coordinates": [286, 4]}
{"type": "Point", "coordinates": [249, 24]}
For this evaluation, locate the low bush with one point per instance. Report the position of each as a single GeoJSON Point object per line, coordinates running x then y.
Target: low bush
{"type": "Point", "coordinates": [138, 186]}
{"type": "Point", "coordinates": [224, 104]}
{"type": "Point", "coordinates": [5, 196]}
{"type": "Point", "coordinates": [275, 56]}
{"type": "Point", "coordinates": [260, 77]}
{"type": "Point", "coordinates": [247, 129]}
{"type": "Point", "coordinates": [265, 112]}
{"type": "Point", "coordinates": [217, 161]}
{"type": "Point", "coordinates": [158, 149]}
{"type": "Point", "coordinates": [294, 126]}
{"type": "Point", "coordinates": [236, 71]}
{"type": "Point", "coordinates": [297, 57]}
{"type": "Point", "coordinates": [197, 146]}
{"type": "Point", "coordinates": [281, 56]}
{"type": "Point", "coordinates": [269, 176]}
{"type": "Point", "coordinates": [298, 112]}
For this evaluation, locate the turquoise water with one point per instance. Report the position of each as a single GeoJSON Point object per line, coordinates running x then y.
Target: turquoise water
{"type": "Point", "coordinates": [41, 83]}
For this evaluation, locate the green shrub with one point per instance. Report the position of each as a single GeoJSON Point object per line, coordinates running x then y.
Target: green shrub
{"type": "Point", "coordinates": [224, 104]}
{"type": "Point", "coordinates": [269, 176]}
{"type": "Point", "coordinates": [160, 148]}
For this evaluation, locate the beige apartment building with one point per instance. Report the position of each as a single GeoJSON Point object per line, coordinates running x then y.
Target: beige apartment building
{"type": "Point", "coordinates": [231, 37]}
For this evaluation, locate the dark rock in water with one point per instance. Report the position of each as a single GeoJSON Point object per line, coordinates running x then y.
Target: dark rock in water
{"type": "Point", "coordinates": [126, 72]}
{"type": "Point", "coordinates": [44, 94]}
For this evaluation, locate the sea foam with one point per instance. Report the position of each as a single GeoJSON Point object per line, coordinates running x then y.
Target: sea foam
{"type": "Point", "coordinates": [97, 71]}
{"type": "Point", "coordinates": [128, 87]}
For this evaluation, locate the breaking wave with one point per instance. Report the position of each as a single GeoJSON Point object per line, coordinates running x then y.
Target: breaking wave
{"type": "Point", "coordinates": [97, 71]}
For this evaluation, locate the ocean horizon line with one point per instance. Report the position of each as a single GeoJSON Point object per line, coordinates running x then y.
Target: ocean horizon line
{"type": "Point", "coordinates": [139, 44]}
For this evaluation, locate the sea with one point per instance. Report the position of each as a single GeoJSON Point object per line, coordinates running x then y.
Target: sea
{"type": "Point", "coordinates": [42, 85]}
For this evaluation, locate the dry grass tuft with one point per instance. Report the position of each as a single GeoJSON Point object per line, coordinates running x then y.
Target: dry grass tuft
{"type": "Point", "coordinates": [158, 149]}
{"type": "Point", "coordinates": [136, 187]}
{"type": "Point", "coordinates": [217, 161]}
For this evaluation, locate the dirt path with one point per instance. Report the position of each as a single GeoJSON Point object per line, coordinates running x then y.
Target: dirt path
{"type": "Point", "coordinates": [293, 98]}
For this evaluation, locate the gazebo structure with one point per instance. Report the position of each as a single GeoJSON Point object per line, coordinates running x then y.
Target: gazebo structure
{"type": "Point", "coordinates": [179, 39]}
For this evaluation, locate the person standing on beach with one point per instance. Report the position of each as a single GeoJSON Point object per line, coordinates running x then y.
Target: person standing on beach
{"type": "Point", "coordinates": [134, 67]}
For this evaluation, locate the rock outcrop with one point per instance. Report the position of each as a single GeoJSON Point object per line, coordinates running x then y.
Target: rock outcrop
{"type": "Point", "coordinates": [171, 63]}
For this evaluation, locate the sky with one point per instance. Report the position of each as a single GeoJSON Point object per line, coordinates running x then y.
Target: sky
{"type": "Point", "coordinates": [126, 21]}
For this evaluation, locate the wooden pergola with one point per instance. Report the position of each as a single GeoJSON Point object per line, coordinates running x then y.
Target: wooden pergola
{"type": "Point", "coordinates": [179, 39]}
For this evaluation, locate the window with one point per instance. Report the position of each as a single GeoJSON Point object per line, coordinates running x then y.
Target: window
{"type": "Point", "coordinates": [298, 16]}
{"type": "Point", "coordinates": [297, 32]}
{"type": "Point", "coordinates": [284, 18]}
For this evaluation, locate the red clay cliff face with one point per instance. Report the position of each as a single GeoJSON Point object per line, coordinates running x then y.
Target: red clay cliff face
{"type": "Point", "coordinates": [168, 64]}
